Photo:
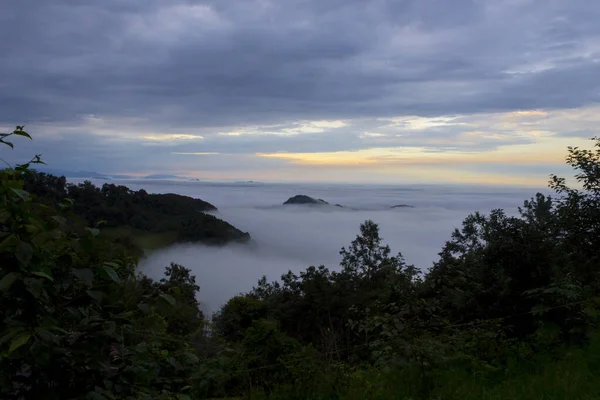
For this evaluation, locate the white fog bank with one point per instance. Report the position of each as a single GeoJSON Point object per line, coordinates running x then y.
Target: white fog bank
{"type": "Point", "coordinates": [295, 237]}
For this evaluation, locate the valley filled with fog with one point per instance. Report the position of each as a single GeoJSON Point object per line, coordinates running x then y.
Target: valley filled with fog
{"type": "Point", "coordinates": [293, 237]}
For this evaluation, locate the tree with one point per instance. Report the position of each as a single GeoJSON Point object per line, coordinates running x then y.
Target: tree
{"type": "Point", "coordinates": [188, 317]}
{"type": "Point", "coordinates": [75, 320]}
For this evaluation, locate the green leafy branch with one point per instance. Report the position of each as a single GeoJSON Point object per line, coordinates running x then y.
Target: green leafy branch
{"type": "Point", "coordinates": [19, 131]}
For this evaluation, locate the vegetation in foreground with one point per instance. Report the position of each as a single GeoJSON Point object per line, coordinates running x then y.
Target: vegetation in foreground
{"type": "Point", "coordinates": [509, 311]}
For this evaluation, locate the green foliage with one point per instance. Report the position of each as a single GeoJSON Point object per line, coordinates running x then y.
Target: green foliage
{"type": "Point", "coordinates": [236, 316]}
{"type": "Point", "coordinates": [320, 307]}
{"type": "Point", "coordinates": [77, 323]}
{"type": "Point", "coordinates": [206, 228]}
{"type": "Point", "coordinates": [575, 376]}
{"type": "Point", "coordinates": [186, 318]}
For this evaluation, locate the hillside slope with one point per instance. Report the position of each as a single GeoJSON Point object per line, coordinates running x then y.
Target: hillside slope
{"type": "Point", "coordinates": [136, 214]}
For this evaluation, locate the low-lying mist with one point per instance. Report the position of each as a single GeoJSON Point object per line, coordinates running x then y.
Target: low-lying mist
{"type": "Point", "coordinates": [295, 237]}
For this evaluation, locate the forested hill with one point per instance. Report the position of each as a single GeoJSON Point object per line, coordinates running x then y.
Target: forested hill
{"type": "Point", "coordinates": [180, 218]}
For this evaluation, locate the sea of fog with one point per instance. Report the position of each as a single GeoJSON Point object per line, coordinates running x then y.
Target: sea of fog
{"type": "Point", "coordinates": [295, 237]}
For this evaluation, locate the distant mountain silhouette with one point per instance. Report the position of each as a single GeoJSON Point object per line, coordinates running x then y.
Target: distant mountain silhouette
{"type": "Point", "coordinates": [163, 176]}
{"type": "Point", "coordinates": [302, 199]}
{"type": "Point", "coordinates": [402, 206]}
{"type": "Point", "coordinates": [98, 175]}
{"type": "Point", "coordinates": [73, 174]}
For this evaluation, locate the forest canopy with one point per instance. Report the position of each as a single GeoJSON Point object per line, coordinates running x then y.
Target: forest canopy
{"type": "Point", "coordinates": [127, 215]}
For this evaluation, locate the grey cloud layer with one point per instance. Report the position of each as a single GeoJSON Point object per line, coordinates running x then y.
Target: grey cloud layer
{"type": "Point", "coordinates": [222, 63]}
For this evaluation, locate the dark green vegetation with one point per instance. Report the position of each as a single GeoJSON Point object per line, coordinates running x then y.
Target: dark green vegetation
{"type": "Point", "coordinates": [145, 221]}
{"type": "Point", "coordinates": [509, 311]}
{"type": "Point", "coordinates": [303, 199]}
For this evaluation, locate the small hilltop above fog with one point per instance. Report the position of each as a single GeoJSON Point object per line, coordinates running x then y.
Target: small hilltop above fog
{"type": "Point", "coordinates": [302, 199]}
{"type": "Point", "coordinates": [402, 206]}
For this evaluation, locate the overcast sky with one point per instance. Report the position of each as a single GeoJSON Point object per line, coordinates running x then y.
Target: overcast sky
{"type": "Point", "coordinates": [338, 90]}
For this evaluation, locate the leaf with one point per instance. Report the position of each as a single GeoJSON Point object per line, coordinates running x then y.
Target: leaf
{"type": "Point", "coordinates": [24, 252]}
{"type": "Point", "coordinates": [75, 312]}
{"type": "Point", "coordinates": [8, 280]}
{"type": "Point", "coordinates": [22, 133]}
{"type": "Point", "coordinates": [168, 298]}
{"type": "Point", "coordinates": [41, 238]}
{"type": "Point", "coordinates": [84, 274]}
{"type": "Point", "coordinates": [44, 274]}
{"type": "Point", "coordinates": [191, 358]}
{"type": "Point", "coordinates": [46, 335]}
{"type": "Point", "coordinates": [95, 396]}
{"type": "Point", "coordinates": [73, 337]}
{"type": "Point", "coordinates": [112, 274]}
{"type": "Point", "coordinates": [34, 286]}
{"type": "Point", "coordinates": [12, 146]}
{"type": "Point", "coordinates": [109, 328]}
{"type": "Point", "coordinates": [58, 329]}
{"type": "Point", "coordinates": [145, 308]}
{"type": "Point", "coordinates": [124, 315]}
{"type": "Point", "coordinates": [19, 341]}
{"type": "Point", "coordinates": [31, 228]}
{"type": "Point", "coordinates": [59, 219]}
{"type": "Point", "coordinates": [93, 231]}
{"type": "Point", "coordinates": [21, 193]}
{"type": "Point", "coordinates": [37, 160]}
{"type": "Point", "coordinates": [112, 264]}
{"type": "Point", "coordinates": [40, 352]}
{"type": "Point", "coordinates": [9, 243]}
{"type": "Point", "coordinates": [96, 295]}
{"type": "Point", "coordinates": [173, 362]}
{"type": "Point", "coordinates": [10, 333]}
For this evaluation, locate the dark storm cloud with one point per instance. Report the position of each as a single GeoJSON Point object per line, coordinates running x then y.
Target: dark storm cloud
{"type": "Point", "coordinates": [221, 63]}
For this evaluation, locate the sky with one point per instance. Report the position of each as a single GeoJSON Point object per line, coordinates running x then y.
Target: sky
{"type": "Point", "coordinates": [405, 91]}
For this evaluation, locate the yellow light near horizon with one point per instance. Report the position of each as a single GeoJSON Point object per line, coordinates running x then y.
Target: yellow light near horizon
{"type": "Point", "coordinates": [546, 150]}
{"type": "Point", "coordinates": [526, 113]}
{"type": "Point", "coordinates": [163, 137]}
{"type": "Point", "coordinates": [335, 158]}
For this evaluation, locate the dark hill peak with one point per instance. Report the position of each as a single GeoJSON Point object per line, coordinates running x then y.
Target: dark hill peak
{"type": "Point", "coordinates": [303, 199]}
{"type": "Point", "coordinates": [402, 206]}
